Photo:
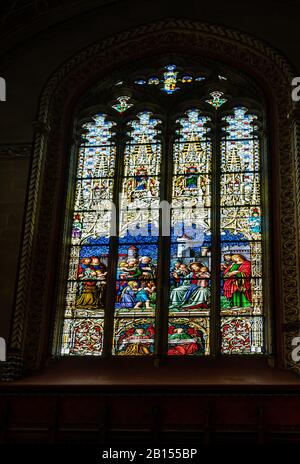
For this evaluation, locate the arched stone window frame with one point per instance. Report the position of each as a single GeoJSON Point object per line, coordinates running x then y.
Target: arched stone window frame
{"type": "Point", "coordinates": [30, 340]}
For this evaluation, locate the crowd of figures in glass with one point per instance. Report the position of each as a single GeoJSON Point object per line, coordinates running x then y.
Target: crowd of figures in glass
{"type": "Point", "coordinates": [89, 253]}
{"type": "Point", "coordinates": [241, 247]}
{"type": "Point", "coordinates": [190, 292]}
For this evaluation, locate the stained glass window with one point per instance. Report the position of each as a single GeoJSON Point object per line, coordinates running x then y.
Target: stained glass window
{"type": "Point", "coordinates": [189, 273]}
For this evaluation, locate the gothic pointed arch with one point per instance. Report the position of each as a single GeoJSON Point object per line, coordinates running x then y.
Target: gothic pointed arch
{"type": "Point", "coordinates": [30, 335]}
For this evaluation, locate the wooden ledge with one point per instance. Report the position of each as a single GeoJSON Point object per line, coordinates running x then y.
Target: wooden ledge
{"type": "Point", "coordinates": [243, 374]}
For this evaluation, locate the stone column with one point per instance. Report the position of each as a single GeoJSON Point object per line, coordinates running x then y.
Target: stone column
{"type": "Point", "coordinates": [14, 365]}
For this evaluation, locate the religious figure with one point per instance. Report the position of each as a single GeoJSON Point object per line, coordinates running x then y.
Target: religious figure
{"type": "Point", "coordinates": [191, 180]}
{"type": "Point", "coordinates": [227, 262]}
{"type": "Point", "coordinates": [179, 274]}
{"type": "Point", "coordinates": [92, 274]}
{"type": "Point", "coordinates": [255, 221]}
{"type": "Point", "coordinates": [237, 286]}
{"type": "Point", "coordinates": [146, 267]}
{"type": "Point", "coordinates": [185, 342]}
{"type": "Point", "coordinates": [194, 291]}
{"type": "Point", "coordinates": [134, 296]}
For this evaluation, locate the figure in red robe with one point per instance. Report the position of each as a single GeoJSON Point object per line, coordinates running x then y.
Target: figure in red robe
{"type": "Point", "coordinates": [237, 284]}
{"type": "Point", "coordinates": [184, 343]}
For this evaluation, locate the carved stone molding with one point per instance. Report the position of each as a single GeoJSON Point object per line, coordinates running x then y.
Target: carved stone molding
{"type": "Point", "coordinates": [16, 150]}
{"type": "Point", "coordinates": [266, 65]}
{"type": "Point", "coordinates": [12, 368]}
{"type": "Point", "coordinates": [41, 127]}
{"type": "Point", "coordinates": [295, 117]}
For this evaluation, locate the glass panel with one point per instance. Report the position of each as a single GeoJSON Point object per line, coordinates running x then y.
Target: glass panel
{"type": "Point", "coordinates": [240, 124]}
{"type": "Point", "coordinates": [139, 225]}
{"type": "Point", "coordinates": [244, 222]}
{"type": "Point", "coordinates": [240, 294]}
{"type": "Point", "coordinates": [216, 99]}
{"type": "Point", "coordinates": [242, 335]}
{"type": "Point", "coordinates": [240, 188]}
{"type": "Point", "coordinates": [190, 266]}
{"type": "Point", "coordinates": [240, 155]}
{"type": "Point", "coordinates": [188, 336]}
{"type": "Point", "coordinates": [248, 250]}
{"type": "Point", "coordinates": [241, 267]}
{"type": "Point", "coordinates": [241, 248]}
{"type": "Point", "coordinates": [96, 162]}
{"type": "Point", "coordinates": [193, 128]}
{"type": "Point", "coordinates": [169, 79]}
{"type": "Point", "coordinates": [89, 252]}
{"type": "Point", "coordinates": [140, 192]}
{"type": "Point", "coordinates": [98, 132]}
{"type": "Point", "coordinates": [136, 280]}
{"type": "Point", "coordinates": [122, 104]}
{"type": "Point", "coordinates": [191, 189]}
{"type": "Point", "coordinates": [88, 267]}
{"type": "Point", "coordinates": [93, 227]}
{"type": "Point", "coordinates": [134, 337]}
{"type": "Point", "coordinates": [190, 260]}
{"type": "Point", "coordinates": [196, 155]}
{"type": "Point", "coordinates": [142, 158]}
{"type": "Point", "coordinates": [82, 337]}
{"type": "Point", "coordinates": [138, 240]}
